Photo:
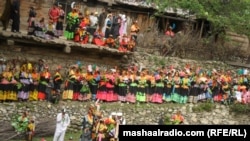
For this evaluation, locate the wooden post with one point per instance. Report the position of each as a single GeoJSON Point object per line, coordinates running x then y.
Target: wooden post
{"type": "Point", "coordinates": [65, 12]}
{"type": "Point", "coordinates": [201, 30]}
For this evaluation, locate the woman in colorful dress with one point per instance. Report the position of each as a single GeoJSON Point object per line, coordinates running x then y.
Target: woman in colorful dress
{"type": "Point", "coordinates": [110, 85]}
{"type": "Point", "coordinates": [194, 89]}
{"type": "Point", "coordinates": [43, 83]}
{"type": "Point", "coordinates": [93, 80]}
{"type": "Point", "coordinates": [4, 85]}
{"type": "Point", "coordinates": [185, 84]}
{"type": "Point", "coordinates": [159, 87]}
{"type": "Point", "coordinates": [168, 84]}
{"type": "Point", "coordinates": [72, 23]}
{"type": "Point", "coordinates": [13, 87]}
{"type": "Point", "coordinates": [69, 84]}
{"type": "Point", "coordinates": [21, 123]}
{"type": "Point", "coordinates": [85, 93]}
{"type": "Point", "coordinates": [98, 38]}
{"type": "Point", "coordinates": [141, 95]}
{"type": "Point", "coordinates": [131, 96]}
{"type": "Point", "coordinates": [225, 91]}
{"type": "Point", "coordinates": [25, 76]}
{"type": "Point", "coordinates": [34, 85]}
{"type": "Point", "coordinates": [216, 88]}
{"type": "Point", "coordinates": [77, 84]}
{"type": "Point", "coordinates": [102, 89]}
{"type": "Point", "coordinates": [175, 96]}
{"type": "Point", "coordinates": [123, 87]}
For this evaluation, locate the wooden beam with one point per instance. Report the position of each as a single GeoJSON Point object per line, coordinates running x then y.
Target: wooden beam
{"type": "Point", "coordinates": [176, 18]}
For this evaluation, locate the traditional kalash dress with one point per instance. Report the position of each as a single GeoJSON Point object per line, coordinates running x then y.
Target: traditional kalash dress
{"type": "Point", "coordinates": [110, 85]}
{"type": "Point", "coordinates": [141, 95]}
{"type": "Point", "coordinates": [194, 89]}
{"type": "Point", "coordinates": [85, 93]}
{"type": "Point", "coordinates": [225, 91]}
{"type": "Point", "coordinates": [34, 86]}
{"type": "Point", "coordinates": [185, 84]}
{"type": "Point", "coordinates": [175, 96]}
{"type": "Point", "coordinates": [202, 91]}
{"type": "Point", "coordinates": [158, 93]}
{"type": "Point", "coordinates": [216, 89]}
{"type": "Point", "coordinates": [9, 86]}
{"type": "Point", "coordinates": [4, 86]}
{"type": "Point", "coordinates": [98, 38]}
{"type": "Point", "coordinates": [131, 96]}
{"type": "Point", "coordinates": [13, 87]}
{"type": "Point", "coordinates": [25, 77]}
{"type": "Point", "coordinates": [93, 81]}
{"type": "Point", "coordinates": [44, 80]}
{"type": "Point", "coordinates": [123, 88]}
{"type": "Point", "coordinates": [168, 84]}
{"type": "Point", "coordinates": [101, 130]}
{"type": "Point", "coordinates": [57, 80]}
{"type": "Point", "coordinates": [148, 87]}
{"type": "Point", "coordinates": [77, 85]}
{"type": "Point", "coordinates": [72, 23]}
{"type": "Point", "coordinates": [208, 89]}
{"type": "Point", "coordinates": [102, 89]}
{"type": "Point", "coordinates": [69, 86]}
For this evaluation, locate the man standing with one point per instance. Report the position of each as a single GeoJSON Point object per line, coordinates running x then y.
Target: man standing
{"type": "Point", "coordinates": [15, 16]}
{"type": "Point", "coordinates": [54, 13]}
{"type": "Point", "coordinates": [62, 123]}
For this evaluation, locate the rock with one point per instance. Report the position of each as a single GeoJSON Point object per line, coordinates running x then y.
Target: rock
{"type": "Point", "coordinates": [204, 121]}
{"type": "Point", "coordinates": [216, 121]}
{"type": "Point", "coordinates": [67, 49]}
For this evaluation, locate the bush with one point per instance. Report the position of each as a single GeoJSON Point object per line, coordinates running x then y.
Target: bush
{"type": "Point", "coordinates": [168, 121]}
{"type": "Point", "coordinates": [239, 108]}
{"type": "Point", "coordinates": [204, 107]}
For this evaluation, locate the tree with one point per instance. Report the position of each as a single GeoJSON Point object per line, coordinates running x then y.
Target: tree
{"type": "Point", "coordinates": [233, 15]}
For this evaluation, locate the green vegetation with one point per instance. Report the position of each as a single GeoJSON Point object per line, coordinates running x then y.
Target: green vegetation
{"type": "Point", "coordinates": [230, 14]}
{"type": "Point", "coordinates": [239, 109]}
{"type": "Point", "coordinates": [204, 107]}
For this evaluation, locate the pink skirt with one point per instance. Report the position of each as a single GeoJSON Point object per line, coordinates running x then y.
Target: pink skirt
{"type": "Point", "coordinates": [122, 98]}
{"type": "Point", "coordinates": [111, 96]}
{"type": "Point", "coordinates": [246, 99]}
{"type": "Point", "coordinates": [131, 98]}
{"type": "Point", "coordinates": [156, 98]}
{"type": "Point", "coordinates": [101, 95]}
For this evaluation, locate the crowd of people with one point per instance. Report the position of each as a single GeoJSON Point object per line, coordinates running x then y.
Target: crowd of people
{"type": "Point", "coordinates": [131, 85]}
{"type": "Point", "coordinates": [107, 29]}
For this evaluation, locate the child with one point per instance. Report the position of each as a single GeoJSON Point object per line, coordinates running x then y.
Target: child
{"type": "Point", "coordinates": [30, 130]}
{"type": "Point", "coordinates": [50, 30]}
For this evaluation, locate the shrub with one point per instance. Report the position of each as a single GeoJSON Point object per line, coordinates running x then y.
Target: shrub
{"type": "Point", "coordinates": [204, 107]}
{"type": "Point", "coordinates": [239, 108]}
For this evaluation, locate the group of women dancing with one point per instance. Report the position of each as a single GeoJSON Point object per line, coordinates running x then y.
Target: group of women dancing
{"type": "Point", "coordinates": [126, 85]}
{"type": "Point", "coordinates": [179, 86]}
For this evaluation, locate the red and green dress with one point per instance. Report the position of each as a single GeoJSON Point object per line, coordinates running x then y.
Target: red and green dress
{"type": "Point", "coordinates": [72, 24]}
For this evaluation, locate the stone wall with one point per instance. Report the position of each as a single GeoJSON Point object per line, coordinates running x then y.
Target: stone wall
{"type": "Point", "coordinates": [144, 114]}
